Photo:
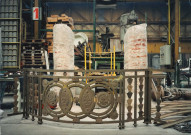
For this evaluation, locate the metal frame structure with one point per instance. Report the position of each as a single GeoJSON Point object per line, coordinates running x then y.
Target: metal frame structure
{"type": "Point", "coordinates": [112, 58]}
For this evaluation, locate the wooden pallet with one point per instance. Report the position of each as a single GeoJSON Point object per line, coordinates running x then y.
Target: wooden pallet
{"type": "Point", "coordinates": [33, 40]}
{"type": "Point", "coordinates": [31, 47]}
{"type": "Point", "coordinates": [33, 62]}
{"type": "Point", "coordinates": [33, 51]}
{"type": "Point", "coordinates": [32, 57]}
{"type": "Point", "coordinates": [33, 54]}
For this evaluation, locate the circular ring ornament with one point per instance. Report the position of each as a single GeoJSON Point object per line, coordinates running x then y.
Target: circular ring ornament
{"type": "Point", "coordinates": [104, 99]}
{"type": "Point", "coordinates": [52, 98]}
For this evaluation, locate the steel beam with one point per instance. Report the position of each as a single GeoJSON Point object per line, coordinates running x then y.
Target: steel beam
{"type": "Point", "coordinates": [36, 25]}
{"type": "Point", "coordinates": [117, 0]}
{"type": "Point", "coordinates": [176, 49]}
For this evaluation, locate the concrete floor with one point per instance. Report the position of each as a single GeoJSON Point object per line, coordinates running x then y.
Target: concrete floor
{"type": "Point", "coordinates": [16, 125]}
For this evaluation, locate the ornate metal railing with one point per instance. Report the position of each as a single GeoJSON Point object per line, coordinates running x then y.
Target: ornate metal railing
{"type": "Point", "coordinates": [89, 97]}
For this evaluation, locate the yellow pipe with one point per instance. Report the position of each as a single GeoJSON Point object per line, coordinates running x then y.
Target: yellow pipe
{"type": "Point", "coordinates": [169, 22]}
{"type": "Point", "coordinates": [85, 59]}
{"type": "Point", "coordinates": [85, 56]}
{"type": "Point", "coordinates": [89, 60]}
{"type": "Point", "coordinates": [111, 61]}
{"type": "Point", "coordinates": [114, 58]}
{"type": "Point", "coordinates": [101, 52]}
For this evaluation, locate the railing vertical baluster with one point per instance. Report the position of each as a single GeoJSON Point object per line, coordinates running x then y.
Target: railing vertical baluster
{"type": "Point", "coordinates": [158, 100]}
{"type": "Point", "coordinates": [15, 108]}
{"type": "Point", "coordinates": [39, 98]}
{"type": "Point", "coordinates": [120, 107]}
{"type": "Point", "coordinates": [24, 89]}
{"type": "Point", "coordinates": [24, 93]}
{"type": "Point", "coordinates": [123, 100]}
{"type": "Point", "coordinates": [135, 100]}
{"type": "Point", "coordinates": [27, 97]}
{"type": "Point", "coordinates": [147, 98]}
{"type": "Point", "coordinates": [33, 92]}
{"type": "Point", "coordinates": [141, 98]}
{"type": "Point", "coordinates": [36, 98]}
{"type": "Point", "coordinates": [129, 100]}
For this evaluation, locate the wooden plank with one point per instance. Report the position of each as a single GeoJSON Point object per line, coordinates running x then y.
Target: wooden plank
{"type": "Point", "coordinates": [49, 28]}
{"type": "Point", "coordinates": [175, 113]}
{"type": "Point", "coordinates": [49, 25]}
{"type": "Point", "coordinates": [49, 36]}
{"type": "Point", "coordinates": [63, 19]}
{"type": "Point", "coordinates": [50, 19]}
{"type": "Point", "coordinates": [63, 15]}
{"type": "Point", "coordinates": [54, 16]}
{"type": "Point", "coordinates": [177, 122]}
{"type": "Point", "coordinates": [49, 33]}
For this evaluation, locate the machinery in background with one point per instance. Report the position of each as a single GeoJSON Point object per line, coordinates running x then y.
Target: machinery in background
{"type": "Point", "coordinates": [80, 41]}
{"type": "Point", "coordinates": [165, 55]}
{"type": "Point", "coordinates": [127, 20]}
{"type": "Point", "coordinates": [105, 40]}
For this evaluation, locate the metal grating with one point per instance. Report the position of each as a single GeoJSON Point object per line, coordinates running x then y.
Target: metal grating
{"type": "Point", "coordinates": [10, 25]}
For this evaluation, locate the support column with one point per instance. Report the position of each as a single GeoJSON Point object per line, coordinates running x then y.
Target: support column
{"type": "Point", "coordinates": [176, 49]}
{"type": "Point", "coordinates": [94, 31]}
{"type": "Point", "coordinates": [169, 21]}
{"type": "Point", "coordinates": [36, 29]}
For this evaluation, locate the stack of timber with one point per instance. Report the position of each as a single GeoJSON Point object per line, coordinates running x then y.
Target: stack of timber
{"type": "Point", "coordinates": [33, 53]}
{"type": "Point", "coordinates": [51, 21]}
{"type": "Point", "coordinates": [174, 112]}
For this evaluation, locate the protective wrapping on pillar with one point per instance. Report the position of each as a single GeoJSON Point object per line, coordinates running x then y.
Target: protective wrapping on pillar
{"type": "Point", "coordinates": [135, 57]}
{"type": "Point", "coordinates": [135, 47]}
{"type": "Point", "coordinates": [63, 49]}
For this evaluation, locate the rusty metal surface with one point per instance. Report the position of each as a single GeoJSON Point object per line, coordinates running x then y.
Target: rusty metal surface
{"type": "Point", "coordinates": [108, 106]}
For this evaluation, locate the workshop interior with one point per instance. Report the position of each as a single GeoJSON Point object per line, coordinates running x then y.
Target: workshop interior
{"type": "Point", "coordinates": [96, 62]}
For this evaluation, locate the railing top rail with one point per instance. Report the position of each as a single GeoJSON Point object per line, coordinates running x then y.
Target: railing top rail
{"type": "Point", "coordinates": [79, 70]}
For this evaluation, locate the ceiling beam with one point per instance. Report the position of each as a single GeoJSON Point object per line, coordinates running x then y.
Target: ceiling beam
{"type": "Point", "coordinates": [117, 0]}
